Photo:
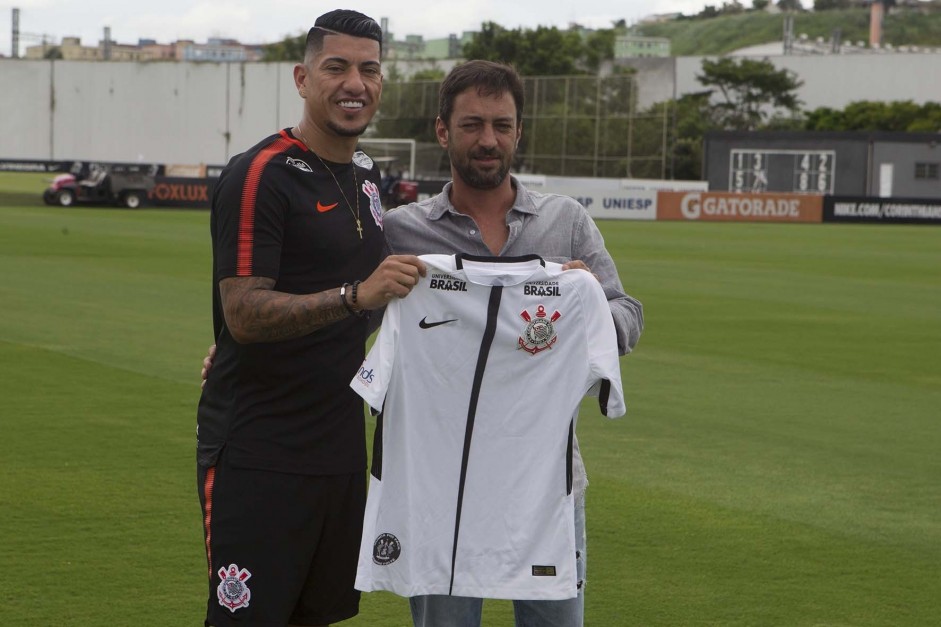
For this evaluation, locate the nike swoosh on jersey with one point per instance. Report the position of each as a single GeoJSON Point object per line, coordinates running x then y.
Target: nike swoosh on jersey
{"type": "Point", "coordinates": [428, 325]}
{"type": "Point", "coordinates": [324, 208]}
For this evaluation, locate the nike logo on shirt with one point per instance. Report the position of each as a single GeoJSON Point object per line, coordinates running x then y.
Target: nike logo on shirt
{"type": "Point", "coordinates": [324, 208]}
{"type": "Point", "coordinates": [428, 325]}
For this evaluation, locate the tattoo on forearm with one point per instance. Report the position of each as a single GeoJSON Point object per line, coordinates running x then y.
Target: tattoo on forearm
{"type": "Point", "coordinates": [262, 315]}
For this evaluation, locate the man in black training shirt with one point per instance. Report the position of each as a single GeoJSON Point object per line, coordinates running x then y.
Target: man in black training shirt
{"type": "Point", "coordinates": [297, 264]}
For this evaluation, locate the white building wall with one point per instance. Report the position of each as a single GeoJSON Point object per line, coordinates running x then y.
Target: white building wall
{"type": "Point", "coordinates": [25, 113]}
{"type": "Point", "coordinates": [262, 100]}
{"type": "Point", "coordinates": [149, 112]}
{"type": "Point", "coordinates": [206, 112]}
{"type": "Point", "coordinates": [837, 80]}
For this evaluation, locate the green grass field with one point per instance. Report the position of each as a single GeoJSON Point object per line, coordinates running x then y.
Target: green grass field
{"type": "Point", "coordinates": [780, 463]}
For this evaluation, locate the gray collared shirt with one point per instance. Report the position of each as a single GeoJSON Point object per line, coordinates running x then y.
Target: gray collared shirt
{"type": "Point", "coordinates": [555, 227]}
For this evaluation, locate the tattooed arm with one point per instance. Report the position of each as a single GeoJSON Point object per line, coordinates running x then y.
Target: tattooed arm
{"type": "Point", "coordinates": [254, 312]}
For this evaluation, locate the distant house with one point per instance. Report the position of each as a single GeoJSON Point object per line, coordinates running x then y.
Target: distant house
{"type": "Point", "coordinates": [416, 47]}
{"type": "Point", "coordinates": [217, 50]}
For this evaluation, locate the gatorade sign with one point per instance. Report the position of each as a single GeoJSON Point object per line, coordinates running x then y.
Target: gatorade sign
{"type": "Point", "coordinates": [734, 207]}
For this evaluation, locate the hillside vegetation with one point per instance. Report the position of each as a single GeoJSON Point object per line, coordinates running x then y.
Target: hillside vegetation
{"type": "Point", "coordinates": [719, 35]}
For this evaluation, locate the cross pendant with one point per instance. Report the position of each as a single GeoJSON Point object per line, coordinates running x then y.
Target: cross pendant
{"type": "Point", "coordinates": [359, 228]}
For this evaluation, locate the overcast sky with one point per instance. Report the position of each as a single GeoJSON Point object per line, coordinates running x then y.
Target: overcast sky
{"type": "Point", "coordinates": [264, 21]}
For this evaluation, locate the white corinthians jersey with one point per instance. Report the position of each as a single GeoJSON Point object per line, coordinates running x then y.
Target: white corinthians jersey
{"type": "Point", "coordinates": [479, 373]}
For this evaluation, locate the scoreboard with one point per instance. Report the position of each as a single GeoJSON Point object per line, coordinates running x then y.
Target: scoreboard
{"type": "Point", "coordinates": [771, 170]}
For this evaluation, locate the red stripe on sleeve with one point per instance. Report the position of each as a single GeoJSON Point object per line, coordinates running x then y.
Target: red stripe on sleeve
{"type": "Point", "coordinates": [246, 243]}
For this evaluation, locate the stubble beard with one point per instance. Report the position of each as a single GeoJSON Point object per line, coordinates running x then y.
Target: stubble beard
{"type": "Point", "coordinates": [343, 131]}
{"type": "Point", "coordinates": [477, 178]}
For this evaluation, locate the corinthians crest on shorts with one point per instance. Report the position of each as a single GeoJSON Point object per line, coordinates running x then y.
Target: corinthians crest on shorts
{"type": "Point", "coordinates": [539, 333]}
{"type": "Point", "coordinates": [233, 593]}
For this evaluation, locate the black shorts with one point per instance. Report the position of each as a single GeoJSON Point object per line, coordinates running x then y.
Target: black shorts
{"type": "Point", "coordinates": [281, 548]}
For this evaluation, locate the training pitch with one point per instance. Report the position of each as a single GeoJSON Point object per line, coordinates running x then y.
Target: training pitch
{"type": "Point", "coordinates": [779, 463]}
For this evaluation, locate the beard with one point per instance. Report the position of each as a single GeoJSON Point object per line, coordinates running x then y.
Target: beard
{"type": "Point", "coordinates": [474, 176]}
{"type": "Point", "coordinates": [343, 131]}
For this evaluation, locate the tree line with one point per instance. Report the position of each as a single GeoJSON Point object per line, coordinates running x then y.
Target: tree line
{"type": "Point", "coordinates": [600, 130]}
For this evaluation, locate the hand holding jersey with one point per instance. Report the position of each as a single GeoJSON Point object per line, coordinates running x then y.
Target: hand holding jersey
{"type": "Point", "coordinates": [394, 278]}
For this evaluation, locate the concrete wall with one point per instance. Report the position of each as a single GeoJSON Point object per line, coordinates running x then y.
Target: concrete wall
{"type": "Point", "coordinates": [829, 81]}
{"type": "Point", "coordinates": [208, 112]}
{"type": "Point", "coordinates": [25, 109]}
{"type": "Point", "coordinates": [837, 80]}
{"type": "Point", "coordinates": [148, 112]}
{"type": "Point", "coordinates": [902, 157]}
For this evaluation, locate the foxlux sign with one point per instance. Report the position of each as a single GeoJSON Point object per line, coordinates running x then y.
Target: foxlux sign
{"type": "Point", "coordinates": [181, 192]}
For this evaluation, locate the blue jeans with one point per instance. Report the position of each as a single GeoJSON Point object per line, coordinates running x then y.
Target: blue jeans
{"type": "Point", "coordinates": [436, 610]}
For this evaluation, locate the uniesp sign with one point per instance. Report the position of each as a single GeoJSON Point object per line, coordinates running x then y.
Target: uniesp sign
{"type": "Point", "coordinates": [736, 207]}
{"type": "Point", "coordinates": [622, 205]}
{"type": "Point", "coordinates": [603, 198]}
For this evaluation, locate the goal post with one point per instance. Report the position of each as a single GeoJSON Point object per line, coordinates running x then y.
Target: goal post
{"type": "Point", "coordinates": [386, 151]}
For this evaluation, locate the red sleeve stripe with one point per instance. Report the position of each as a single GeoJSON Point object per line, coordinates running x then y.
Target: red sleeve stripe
{"type": "Point", "coordinates": [249, 195]}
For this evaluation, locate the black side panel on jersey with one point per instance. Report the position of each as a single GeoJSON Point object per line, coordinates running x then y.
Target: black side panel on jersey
{"type": "Point", "coordinates": [569, 452]}
{"type": "Point", "coordinates": [376, 469]}
{"type": "Point", "coordinates": [603, 394]}
{"type": "Point", "coordinates": [493, 309]}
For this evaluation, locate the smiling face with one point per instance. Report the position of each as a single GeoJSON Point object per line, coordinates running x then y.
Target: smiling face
{"type": "Point", "coordinates": [341, 86]}
{"type": "Point", "coordinates": [481, 137]}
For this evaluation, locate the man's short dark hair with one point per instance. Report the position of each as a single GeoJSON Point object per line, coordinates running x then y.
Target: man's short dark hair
{"type": "Point", "coordinates": [344, 22]}
{"type": "Point", "coordinates": [490, 79]}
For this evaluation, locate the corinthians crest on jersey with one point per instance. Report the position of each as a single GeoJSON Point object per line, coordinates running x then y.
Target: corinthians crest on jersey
{"type": "Point", "coordinates": [386, 549]}
{"type": "Point", "coordinates": [540, 330]}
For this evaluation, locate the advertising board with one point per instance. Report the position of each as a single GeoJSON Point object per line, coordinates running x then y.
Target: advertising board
{"type": "Point", "coordinates": [733, 207]}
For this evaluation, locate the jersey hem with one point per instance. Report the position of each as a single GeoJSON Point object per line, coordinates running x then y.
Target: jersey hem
{"type": "Point", "coordinates": [509, 594]}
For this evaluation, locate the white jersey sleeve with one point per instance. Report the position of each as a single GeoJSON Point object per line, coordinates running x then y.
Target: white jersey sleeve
{"type": "Point", "coordinates": [601, 340]}
{"type": "Point", "coordinates": [372, 380]}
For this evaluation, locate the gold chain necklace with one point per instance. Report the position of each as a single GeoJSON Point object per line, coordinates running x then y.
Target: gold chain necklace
{"type": "Point", "coordinates": [355, 213]}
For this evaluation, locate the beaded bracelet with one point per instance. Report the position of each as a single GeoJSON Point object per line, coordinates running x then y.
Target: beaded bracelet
{"type": "Point", "coordinates": [355, 285]}
{"type": "Point", "coordinates": [343, 299]}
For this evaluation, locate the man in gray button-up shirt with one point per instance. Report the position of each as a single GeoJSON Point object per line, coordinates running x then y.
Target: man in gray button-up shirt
{"type": "Point", "coordinates": [484, 211]}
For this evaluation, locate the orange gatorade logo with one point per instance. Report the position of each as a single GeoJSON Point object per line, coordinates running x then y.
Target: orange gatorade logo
{"type": "Point", "coordinates": [737, 207]}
